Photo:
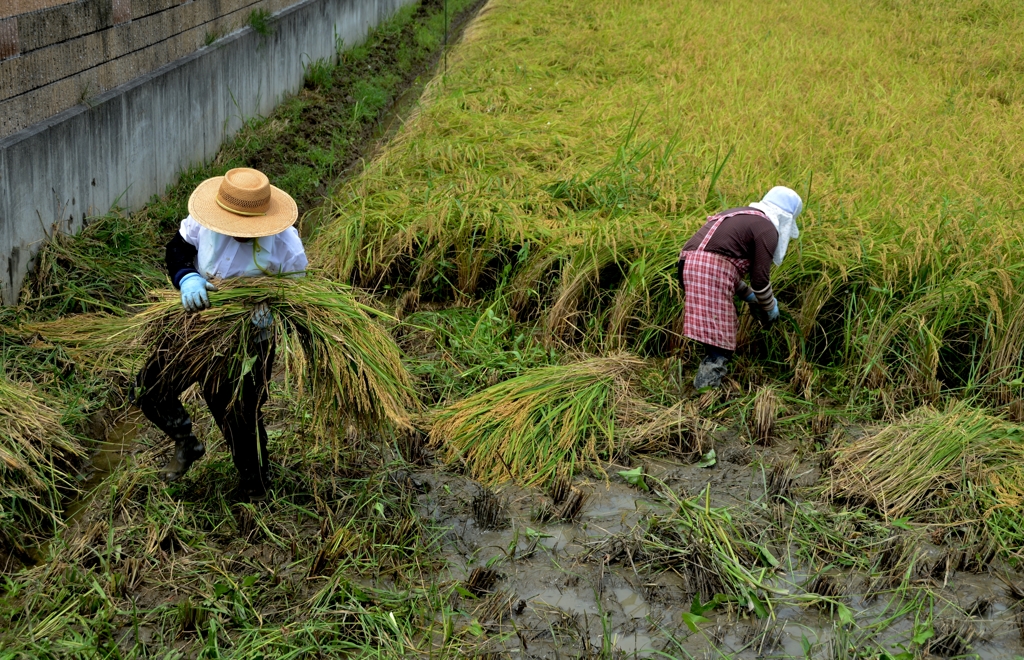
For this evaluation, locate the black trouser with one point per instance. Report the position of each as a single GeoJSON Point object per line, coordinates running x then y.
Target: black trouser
{"type": "Point", "coordinates": [234, 403]}
{"type": "Point", "coordinates": [714, 352]}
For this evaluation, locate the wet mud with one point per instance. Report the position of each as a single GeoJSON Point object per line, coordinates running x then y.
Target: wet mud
{"type": "Point", "coordinates": [559, 593]}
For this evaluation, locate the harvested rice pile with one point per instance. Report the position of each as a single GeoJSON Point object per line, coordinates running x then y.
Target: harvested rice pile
{"type": "Point", "coordinates": [959, 465]}
{"type": "Point", "coordinates": [559, 419]}
{"type": "Point", "coordinates": [36, 457]}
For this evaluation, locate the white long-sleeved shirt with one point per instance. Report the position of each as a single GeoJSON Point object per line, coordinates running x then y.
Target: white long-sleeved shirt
{"type": "Point", "coordinates": [221, 257]}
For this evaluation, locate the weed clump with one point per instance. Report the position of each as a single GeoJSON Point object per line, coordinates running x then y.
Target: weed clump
{"type": "Point", "coordinates": [717, 556]}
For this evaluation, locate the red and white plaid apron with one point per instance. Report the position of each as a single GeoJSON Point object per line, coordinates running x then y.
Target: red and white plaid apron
{"type": "Point", "coordinates": [709, 283]}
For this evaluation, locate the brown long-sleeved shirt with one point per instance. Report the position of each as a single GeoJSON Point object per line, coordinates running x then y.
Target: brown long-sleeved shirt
{"type": "Point", "coordinates": [745, 236]}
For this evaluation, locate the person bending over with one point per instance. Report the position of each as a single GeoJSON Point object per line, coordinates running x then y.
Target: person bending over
{"type": "Point", "coordinates": [711, 268]}
{"type": "Point", "coordinates": [238, 226]}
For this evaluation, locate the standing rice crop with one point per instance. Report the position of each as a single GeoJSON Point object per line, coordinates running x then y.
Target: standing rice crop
{"type": "Point", "coordinates": [545, 422]}
{"type": "Point", "coordinates": [37, 459]}
{"type": "Point", "coordinates": [576, 162]}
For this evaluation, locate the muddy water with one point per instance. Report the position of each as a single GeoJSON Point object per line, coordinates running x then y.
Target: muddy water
{"type": "Point", "coordinates": [117, 442]}
{"type": "Point", "coordinates": [564, 600]}
{"type": "Point", "coordinates": [107, 456]}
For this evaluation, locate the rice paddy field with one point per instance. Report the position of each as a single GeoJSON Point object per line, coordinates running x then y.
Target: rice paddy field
{"type": "Point", "coordinates": [484, 438]}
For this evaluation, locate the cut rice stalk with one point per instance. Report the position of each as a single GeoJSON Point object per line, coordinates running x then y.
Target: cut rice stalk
{"type": "Point", "coordinates": [547, 422]}
{"type": "Point", "coordinates": [328, 344]}
{"type": "Point", "coordinates": [958, 466]}
{"type": "Point", "coordinates": [766, 410]}
{"type": "Point", "coordinates": [37, 455]}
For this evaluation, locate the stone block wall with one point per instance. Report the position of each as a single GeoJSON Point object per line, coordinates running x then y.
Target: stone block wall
{"type": "Point", "coordinates": [56, 54]}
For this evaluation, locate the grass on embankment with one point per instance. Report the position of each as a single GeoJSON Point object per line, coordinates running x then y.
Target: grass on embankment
{"type": "Point", "coordinates": [898, 123]}
{"type": "Point", "coordinates": [304, 146]}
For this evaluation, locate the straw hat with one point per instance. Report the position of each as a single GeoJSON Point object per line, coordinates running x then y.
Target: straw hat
{"type": "Point", "coordinates": [243, 204]}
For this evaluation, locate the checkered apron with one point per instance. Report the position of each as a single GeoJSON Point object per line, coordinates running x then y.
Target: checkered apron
{"type": "Point", "coordinates": [709, 283]}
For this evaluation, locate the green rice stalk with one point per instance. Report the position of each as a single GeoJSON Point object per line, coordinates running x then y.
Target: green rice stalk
{"type": "Point", "coordinates": [713, 552]}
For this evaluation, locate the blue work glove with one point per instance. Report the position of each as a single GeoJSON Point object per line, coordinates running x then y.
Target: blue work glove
{"type": "Point", "coordinates": [755, 309]}
{"type": "Point", "coordinates": [773, 314]}
{"type": "Point", "coordinates": [193, 292]}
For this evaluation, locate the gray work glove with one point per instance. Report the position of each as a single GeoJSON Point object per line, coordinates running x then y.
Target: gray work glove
{"type": "Point", "coordinates": [263, 319]}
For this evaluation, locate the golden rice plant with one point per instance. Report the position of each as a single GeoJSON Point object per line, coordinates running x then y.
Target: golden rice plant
{"type": "Point", "coordinates": [547, 422]}
{"type": "Point", "coordinates": [958, 465]}
{"type": "Point", "coordinates": [765, 412]}
{"type": "Point", "coordinates": [329, 343]}
{"type": "Point", "coordinates": [37, 461]}
{"type": "Point", "coordinates": [532, 165]}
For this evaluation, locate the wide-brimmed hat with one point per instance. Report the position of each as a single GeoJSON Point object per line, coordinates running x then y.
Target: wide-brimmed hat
{"type": "Point", "coordinates": [243, 204]}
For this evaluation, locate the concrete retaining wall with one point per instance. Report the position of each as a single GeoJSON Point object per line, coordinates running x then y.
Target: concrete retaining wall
{"type": "Point", "coordinates": [131, 142]}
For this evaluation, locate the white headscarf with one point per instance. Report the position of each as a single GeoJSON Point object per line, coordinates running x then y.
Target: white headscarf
{"type": "Point", "coordinates": [782, 205]}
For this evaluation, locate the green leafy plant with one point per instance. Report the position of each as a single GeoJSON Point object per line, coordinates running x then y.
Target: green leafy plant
{"type": "Point", "coordinates": [259, 21]}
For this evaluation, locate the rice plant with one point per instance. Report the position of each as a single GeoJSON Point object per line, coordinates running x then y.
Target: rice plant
{"type": "Point", "coordinates": [958, 465]}
{"type": "Point", "coordinates": [38, 457]}
{"type": "Point", "coordinates": [765, 411]}
{"type": "Point", "coordinates": [579, 193]}
{"type": "Point", "coordinates": [109, 265]}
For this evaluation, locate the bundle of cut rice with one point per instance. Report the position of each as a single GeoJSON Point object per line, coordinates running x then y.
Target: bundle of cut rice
{"type": "Point", "coordinates": [328, 343]}
{"type": "Point", "coordinates": [545, 422]}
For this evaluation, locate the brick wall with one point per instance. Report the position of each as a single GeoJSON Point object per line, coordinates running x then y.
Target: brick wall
{"type": "Point", "coordinates": [56, 54]}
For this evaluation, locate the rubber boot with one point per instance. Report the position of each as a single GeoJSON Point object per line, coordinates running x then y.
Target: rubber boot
{"type": "Point", "coordinates": [253, 488]}
{"type": "Point", "coordinates": [711, 372]}
{"type": "Point", "coordinates": [186, 452]}
{"type": "Point", "coordinates": [253, 482]}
